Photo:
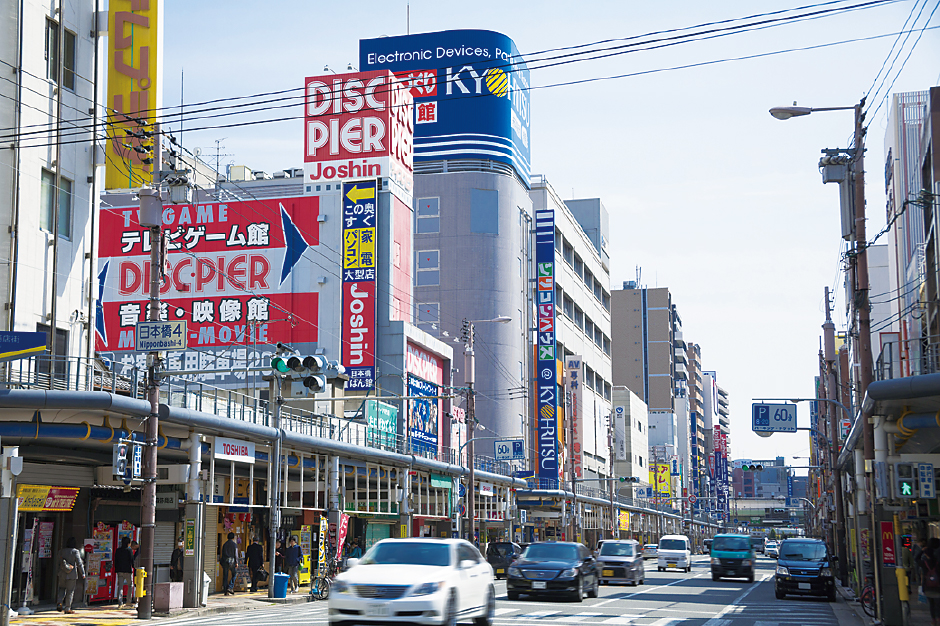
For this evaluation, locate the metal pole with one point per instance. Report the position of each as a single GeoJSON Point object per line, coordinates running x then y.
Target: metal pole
{"type": "Point", "coordinates": [274, 462]}
{"type": "Point", "coordinates": [469, 377]}
{"type": "Point", "coordinates": [829, 341]}
{"type": "Point", "coordinates": [148, 503]}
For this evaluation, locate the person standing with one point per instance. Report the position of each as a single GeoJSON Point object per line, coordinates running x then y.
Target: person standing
{"type": "Point", "coordinates": [930, 578]}
{"type": "Point", "coordinates": [229, 563]}
{"type": "Point", "coordinates": [124, 571]}
{"type": "Point", "coordinates": [176, 563]}
{"type": "Point", "coordinates": [255, 556]}
{"type": "Point", "coordinates": [293, 557]}
{"type": "Point", "coordinates": [279, 551]}
{"type": "Point", "coordinates": [73, 570]}
{"type": "Point", "coordinates": [355, 552]}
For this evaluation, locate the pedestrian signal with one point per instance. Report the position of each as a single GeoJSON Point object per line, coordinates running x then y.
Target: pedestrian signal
{"type": "Point", "coordinates": [904, 480]}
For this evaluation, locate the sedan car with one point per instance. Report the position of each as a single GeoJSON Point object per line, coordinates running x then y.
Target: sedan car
{"type": "Point", "coordinates": [415, 581]}
{"type": "Point", "coordinates": [554, 568]}
{"type": "Point", "coordinates": [772, 549]}
{"type": "Point", "coordinates": [650, 551]}
{"type": "Point", "coordinates": [804, 568]}
{"type": "Point", "coordinates": [501, 554]}
{"type": "Point", "coordinates": [620, 562]}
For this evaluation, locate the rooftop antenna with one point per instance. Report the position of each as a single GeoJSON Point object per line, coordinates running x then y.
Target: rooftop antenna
{"type": "Point", "coordinates": [639, 272]}
{"type": "Point", "coordinates": [408, 18]}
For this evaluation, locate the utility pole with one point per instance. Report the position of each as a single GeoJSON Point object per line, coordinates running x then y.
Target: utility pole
{"type": "Point", "coordinates": [829, 345]}
{"type": "Point", "coordinates": [151, 214]}
{"type": "Point", "coordinates": [469, 378]}
{"type": "Point", "coordinates": [274, 465]}
{"type": "Point", "coordinates": [862, 287]}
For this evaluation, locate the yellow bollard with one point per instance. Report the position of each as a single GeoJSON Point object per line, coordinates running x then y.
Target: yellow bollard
{"type": "Point", "coordinates": [901, 573]}
{"type": "Point", "coordinates": [139, 575]}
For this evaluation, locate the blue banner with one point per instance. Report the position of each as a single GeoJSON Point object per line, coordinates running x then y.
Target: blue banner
{"type": "Point", "coordinates": [470, 89]}
{"type": "Point", "coordinates": [546, 365]}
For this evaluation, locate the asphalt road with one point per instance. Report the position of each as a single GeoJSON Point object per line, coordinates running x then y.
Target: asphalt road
{"type": "Point", "coordinates": [666, 599]}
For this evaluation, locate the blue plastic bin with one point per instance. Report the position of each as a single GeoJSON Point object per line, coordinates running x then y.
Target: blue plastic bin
{"type": "Point", "coordinates": [280, 585]}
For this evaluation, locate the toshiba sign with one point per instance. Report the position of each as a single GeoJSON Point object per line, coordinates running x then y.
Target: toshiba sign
{"type": "Point", "coordinates": [359, 125]}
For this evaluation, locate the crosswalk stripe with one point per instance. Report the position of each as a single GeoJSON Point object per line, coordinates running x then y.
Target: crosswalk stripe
{"type": "Point", "coordinates": [619, 620]}
{"type": "Point", "coordinates": [505, 611]}
{"type": "Point", "coordinates": [536, 615]}
{"type": "Point", "coordinates": [580, 617]}
{"type": "Point", "coordinates": [666, 621]}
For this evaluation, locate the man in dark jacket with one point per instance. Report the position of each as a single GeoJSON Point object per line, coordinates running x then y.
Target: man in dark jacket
{"type": "Point", "coordinates": [176, 563]}
{"type": "Point", "coordinates": [229, 561]}
{"type": "Point", "coordinates": [255, 556]}
{"type": "Point", "coordinates": [73, 573]}
{"type": "Point", "coordinates": [124, 571]}
{"type": "Point", "coordinates": [293, 557]}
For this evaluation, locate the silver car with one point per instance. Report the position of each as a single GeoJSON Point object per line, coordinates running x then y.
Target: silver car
{"type": "Point", "coordinates": [621, 562]}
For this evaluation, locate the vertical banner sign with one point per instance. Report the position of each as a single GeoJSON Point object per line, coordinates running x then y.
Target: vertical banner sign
{"type": "Point", "coordinates": [323, 536]}
{"type": "Point", "coordinates": [360, 213]}
{"type": "Point", "coordinates": [341, 535]}
{"type": "Point", "coordinates": [887, 543]}
{"type": "Point", "coordinates": [693, 449]}
{"type": "Point", "coordinates": [576, 393]}
{"type": "Point", "coordinates": [620, 434]}
{"type": "Point", "coordinates": [546, 368]}
{"type": "Point", "coordinates": [133, 91]}
{"type": "Point", "coordinates": [189, 541]}
{"type": "Point", "coordinates": [423, 416]}
{"type": "Point", "coordinates": [662, 481]}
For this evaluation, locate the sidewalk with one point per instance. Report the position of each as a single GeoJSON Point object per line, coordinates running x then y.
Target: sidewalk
{"type": "Point", "coordinates": [919, 612]}
{"type": "Point", "coordinates": [110, 615]}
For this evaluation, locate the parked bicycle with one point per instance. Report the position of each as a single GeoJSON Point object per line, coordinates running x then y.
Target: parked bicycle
{"type": "Point", "coordinates": [867, 597]}
{"type": "Point", "coordinates": [320, 588]}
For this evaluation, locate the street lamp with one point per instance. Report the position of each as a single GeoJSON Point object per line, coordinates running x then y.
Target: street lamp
{"type": "Point", "coordinates": [785, 113]}
{"type": "Point", "coordinates": [469, 377]}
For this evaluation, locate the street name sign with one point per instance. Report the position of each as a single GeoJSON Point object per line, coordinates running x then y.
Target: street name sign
{"type": "Point", "coordinates": [773, 418]}
{"type": "Point", "coordinates": [159, 336]}
{"type": "Point", "coordinates": [510, 450]}
{"type": "Point", "coordinates": [20, 345]}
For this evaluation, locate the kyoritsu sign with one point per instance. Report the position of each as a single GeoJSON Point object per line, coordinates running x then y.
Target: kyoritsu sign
{"type": "Point", "coordinates": [546, 366]}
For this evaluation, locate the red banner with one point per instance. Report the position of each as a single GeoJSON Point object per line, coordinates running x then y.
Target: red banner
{"type": "Point", "coordinates": [341, 537]}
{"type": "Point", "coordinates": [887, 543]}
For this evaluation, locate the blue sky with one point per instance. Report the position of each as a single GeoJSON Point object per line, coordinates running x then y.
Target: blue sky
{"type": "Point", "coordinates": [707, 193]}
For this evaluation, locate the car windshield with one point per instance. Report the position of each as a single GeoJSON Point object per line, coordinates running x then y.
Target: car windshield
{"type": "Point", "coordinates": [408, 553]}
{"type": "Point", "coordinates": [803, 551]}
{"type": "Point", "coordinates": [650, 546]}
{"type": "Point", "coordinates": [617, 549]}
{"type": "Point", "coordinates": [771, 544]}
{"type": "Point", "coordinates": [672, 544]}
{"type": "Point", "coordinates": [500, 549]}
{"type": "Point", "coordinates": [550, 552]}
{"type": "Point", "coordinates": [730, 544]}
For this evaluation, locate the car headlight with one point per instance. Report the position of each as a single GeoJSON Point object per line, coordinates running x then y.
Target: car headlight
{"type": "Point", "coordinates": [716, 560]}
{"type": "Point", "coordinates": [825, 572]}
{"type": "Point", "coordinates": [782, 571]}
{"type": "Point", "coordinates": [339, 586]}
{"type": "Point", "coordinates": [571, 572]}
{"type": "Point", "coordinates": [746, 562]}
{"type": "Point", "coordinates": [427, 589]}
{"type": "Point", "coordinates": [515, 571]}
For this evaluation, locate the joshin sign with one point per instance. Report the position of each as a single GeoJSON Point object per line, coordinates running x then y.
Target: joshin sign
{"type": "Point", "coordinates": [360, 215]}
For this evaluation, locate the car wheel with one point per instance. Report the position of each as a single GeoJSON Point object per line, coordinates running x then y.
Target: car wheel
{"type": "Point", "coordinates": [832, 596]}
{"type": "Point", "coordinates": [512, 595]}
{"type": "Point", "coordinates": [592, 593]}
{"type": "Point", "coordinates": [750, 578]}
{"type": "Point", "coordinates": [780, 595]}
{"type": "Point", "coordinates": [579, 590]}
{"type": "Point", "coordinates": [659, 568]}
{"type": "Point", "coordinates": [490, 612]}
{"type": "Point", "coordinates": [450, 611]}
{"type": "Point", "coordinates": [716, 577]}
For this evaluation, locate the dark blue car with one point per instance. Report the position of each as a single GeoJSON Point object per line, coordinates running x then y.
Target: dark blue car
{"type": "Point", "coordinates": [804, 567]}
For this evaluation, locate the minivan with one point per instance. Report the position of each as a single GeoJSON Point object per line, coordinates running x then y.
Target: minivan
{"type": "Point", "coordinates": [732, 556]}
{"type": "Point", "coordinates": [675, 552]}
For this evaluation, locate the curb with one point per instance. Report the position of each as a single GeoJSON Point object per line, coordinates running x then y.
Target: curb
{"type": "Point", "coordinates": [233, 608]}
{"type": "Point", "coordinates": [856, 607]}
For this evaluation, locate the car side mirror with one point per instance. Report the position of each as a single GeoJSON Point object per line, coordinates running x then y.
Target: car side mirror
{"type": "Point", "coordinates": [467, 564]}
{"type": "Point", "coordinates": [351, 563]}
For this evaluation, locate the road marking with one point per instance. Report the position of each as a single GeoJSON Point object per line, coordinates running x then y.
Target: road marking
{"type": "Point", "coordinates": [505, 611]}
{"type": "Point", "coordinates": [620, 620]}
{"type": "Point", "coordinates": [536, 615]}
{"type": "Point", "coordinates": [580, 617]}
{"type": "Point", "coordinates": [716, 621]}
{"type": "Point", "coordinates": [666, 621]}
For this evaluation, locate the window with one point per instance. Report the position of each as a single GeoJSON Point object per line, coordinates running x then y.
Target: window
{"type": "Point", "coordinates": [578, 266]}
{"type": "Point", "coordinates": [429, 268]}
{"type": "Point", "coordinates": [47, 204]}
{"type": "Point", "coordinates": [641, 461]}
{"type": "Point", "coordinates": [558, 240]}
{"type": "Point", "coordinates": [559, 296]}
{"type": "Point", "coordinates": [588, 279]}
{"type": "Point", "coordinates": [588, 377]}
{"type": "Point", "coordinates": [588, 327]}
{"type": "Point", "coordinates": [605, 299]}
{"type": "Point", "coordinates": [44, 361]}
{"type": "Point", "coordinates": [52, 50]}
{"type": "Point", "coordinates": [428, 216]}
{"type": "Point", "coordinates": [568, 253]}
{"type": "Point", "coordinates": [578, 317]}
{"type": "Point", "coordinates": [607, 392]}
{"type": "Point", "coordinates": [484, 211]}
{"type": "Point", "coordinates": [606, 345]}
{"type": "Point", "coordinates": [68, 62]}
{"type": "Point", "coordinates": [598, 290]}
{"type": "Point", "coordinates": [598, 337]}
{"type": "Point", "coordinates": [429, 312]}
{"type": "Point", "coordinates": [569, 307]}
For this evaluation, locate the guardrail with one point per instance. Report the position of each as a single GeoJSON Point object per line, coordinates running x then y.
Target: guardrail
{"type": "Point", "coordinates": [82, 374]}
{"type": "Point", "coordinates": [911, 357]}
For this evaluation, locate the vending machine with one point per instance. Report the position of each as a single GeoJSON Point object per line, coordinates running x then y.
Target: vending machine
{"type": "Point", "coordinates": [99, 579]}
{"type": "Point", "coordinates": [306, 545]}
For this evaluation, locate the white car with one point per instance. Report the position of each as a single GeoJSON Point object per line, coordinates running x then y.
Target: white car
{"type": "Point", "coordinates": [416, 581]}
{"type": "Point", "coordinates": [650, 551]}
{"type": "Point", "coordinates": [674, 553]}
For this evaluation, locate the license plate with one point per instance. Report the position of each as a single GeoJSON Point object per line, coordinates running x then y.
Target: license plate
{"type": "Point", "coordinates": [377, 610]}
{"type": "Point", "coordinates": [539, 584]}
{"type": "Point", "coordinates": [607, 572]}
{"type": "Point", "coordinates": [804, 586]}
{"type": "Point", "coordinates": [670, 564]}
{"type": "Point", "coordinates": [499, 571]}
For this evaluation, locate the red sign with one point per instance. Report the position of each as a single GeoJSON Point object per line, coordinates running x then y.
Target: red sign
{"type": "Point", "coordinates": [359, 125]}
{"type": "Point", "coordinates": [359, 320]}
{"type": "Point", "coordinates": [887, 543]}
{"type": "Point", "coordinates": [235, 272]}
{"type": "Point", "coordinates": [424, 364]}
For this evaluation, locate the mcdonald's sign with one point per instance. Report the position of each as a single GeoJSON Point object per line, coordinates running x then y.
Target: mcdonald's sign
{"type": "Point", "coordinates": [887, 543]}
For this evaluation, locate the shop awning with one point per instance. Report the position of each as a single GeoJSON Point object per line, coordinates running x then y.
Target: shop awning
{"type": "Point", "coordinates": [439, 480]}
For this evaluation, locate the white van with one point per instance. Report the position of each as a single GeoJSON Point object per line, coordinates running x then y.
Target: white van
{"type": "Point", "coordinates": [675, 553]}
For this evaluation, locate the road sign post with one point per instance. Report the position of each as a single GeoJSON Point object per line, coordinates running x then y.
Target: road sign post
{"type": "Point", "coordinates": [773, 418]}
{"type": "Point", "coordinates": [510, 450]}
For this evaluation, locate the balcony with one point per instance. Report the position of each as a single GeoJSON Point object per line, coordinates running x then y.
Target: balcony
{"type": "Point", "coordinates": [912, 357]}
{"type": "Point", "coordinates": [680, 356]}
{"type": "Point", "coordinates": [681, 372]}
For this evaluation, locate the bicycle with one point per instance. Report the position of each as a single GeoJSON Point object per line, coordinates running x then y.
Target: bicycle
{"type": "Point", "coordinates": [867, 597]}
{"type": "Point", "coordinates": [320, 587]}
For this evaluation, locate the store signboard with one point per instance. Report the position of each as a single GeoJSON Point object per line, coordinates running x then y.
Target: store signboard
{"type": "Point", "coordinates": [423, 415]}
{"type": "Point", "coordinates": [381, 424]}
{"type": "Point", "coordinates": [234, 450]}
{"type": "Point", "coordinates": [620, 434]}
{"type": "Point", "coordinates": [360, 337]}
{"type": "Point", "coordinates": [573, 385]}
{"type": "Point", "coordinates": [35, 498]}
{"type": "Point", "coordinates": [189, 540]}
{"type": "Point", "coordinates": [546, 366]}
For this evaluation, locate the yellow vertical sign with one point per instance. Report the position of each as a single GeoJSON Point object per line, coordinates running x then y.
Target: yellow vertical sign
{"type": "Point", "coordinates": [133, 54]}
{"type": "Point", "coordinates": [662, 479]}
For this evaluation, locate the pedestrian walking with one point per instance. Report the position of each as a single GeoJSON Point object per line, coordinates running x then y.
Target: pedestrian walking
{"type": "Point", "coordinates": [73, 575]}
{"type": "Point", "coordinates": [930, 585]}
{"type": "Point", "coordinates": [176, 563]}
{"type": "Point", "coordinates": [279, 551]}
{"type": "Point", "coordinates": [229, 561]}
{"type": "Point", "coordinates": [124, 572]}
{"type": "Point", "coordinates": [255, 556]}
{"type": "Point", "coordinates": [293, 556]}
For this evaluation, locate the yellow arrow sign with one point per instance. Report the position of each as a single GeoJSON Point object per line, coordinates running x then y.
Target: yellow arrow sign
{"type": "Point", "coordinates": [356, 194]}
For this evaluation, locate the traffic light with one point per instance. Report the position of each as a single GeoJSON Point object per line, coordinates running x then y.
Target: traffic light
{"type": "Point", "coordinates": [307, 375]}
{"type": "Point", "coordinates": [752, 468]}
{"type": "Point", "coordinates": [904, 480]}
{"type": "Point", "coordinates": [629, 479]}
{"type": "Point", "coordinates": [120, 459]}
